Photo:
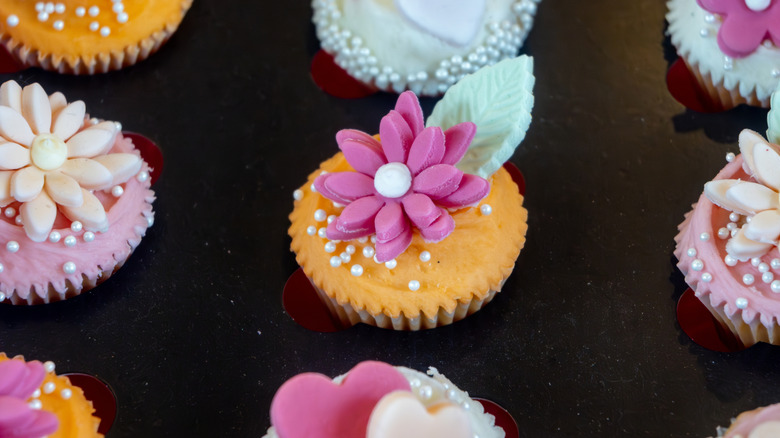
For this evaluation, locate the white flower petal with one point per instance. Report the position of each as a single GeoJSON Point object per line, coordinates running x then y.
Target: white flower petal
{"type": "Point", "coordinates": [58, 102]}
{"type": "Point", "coordinates": [5, 188]}
{"type": "Point", "coordinates": [63, 189]}
{"type": "Point", "coordinates": [13, 156]}
{"type": "Point", "coordinates": [91, 213]}
{"type": "Point", "coordinates": [751, 197]}
{"type": "Point", "coordinates": [747, 140]}
{"type": "Point", "coordinates": [14, 127]}
{"type": "Point", "coordinates": [88, 173]}
{"type": "Point", "coordinates": [38, 217]}
{"type": "Point", "coordinates": [766, 165]}
{"type": "Point", "coordinates": [716, 190]}
{"type": "Point", "coordinates": [26, 184]}
{"type": "Point", "coordinates": [36, 108]}
{"type": "Point", "coordinates": [92, 141]}
{"type": "Point", "coordinates": [764, 227]}
{"type": "Point", "coordinates": [744, 249]}
{"type": "Point", "coordinates": [11, 95]}
{"type": "Point", "coordinates": [121, 166]}
{"type": "Point", "coordinates": [69, 120]}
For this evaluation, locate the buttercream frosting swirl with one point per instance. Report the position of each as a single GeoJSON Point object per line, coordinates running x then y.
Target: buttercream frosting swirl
{"type": "Point", "coordinates": [18, 381]}
{"type": "Point", "coordinates": [52, 159]}
{"type": "Point", "coordinates": [746, 24]}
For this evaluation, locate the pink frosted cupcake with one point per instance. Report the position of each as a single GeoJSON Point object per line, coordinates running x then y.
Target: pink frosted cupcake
{"type": "Point", "coordinates": [758, 423]}
{"type": "Point", "coordinates": [74, 194]}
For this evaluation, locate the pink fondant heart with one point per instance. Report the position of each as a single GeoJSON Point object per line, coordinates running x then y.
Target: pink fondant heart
{"type": "Point", "coordinates": [400, 414]}
{"type": "Point", "coordinates": [312, 406]}
{"type": "Point", "coordinates": [454, 21]}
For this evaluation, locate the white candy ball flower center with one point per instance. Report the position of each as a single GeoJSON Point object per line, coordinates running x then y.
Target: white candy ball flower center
{"type": "Point", "coordinates": [393, 180]}
{"type": "Point", "coordinates": [48, 152]}
{"type": "Point", "coordinates": [757, 5]}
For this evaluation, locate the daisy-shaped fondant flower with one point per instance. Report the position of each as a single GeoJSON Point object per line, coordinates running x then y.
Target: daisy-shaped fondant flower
{"type": "Point", "coordinates": [746, 24]}
{"type": "Point", "coordinates": [408, 179]}
{"type": "Point", "coordinates": [758, 201]}
{"type": "Point", "coordinates": [50, 162]}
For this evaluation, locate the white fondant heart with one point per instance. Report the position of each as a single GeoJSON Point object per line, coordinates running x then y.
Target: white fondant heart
{"type": "Point", "coordinates": [400, 415]}
{"type": "Point", "coordinates": [454, 21]}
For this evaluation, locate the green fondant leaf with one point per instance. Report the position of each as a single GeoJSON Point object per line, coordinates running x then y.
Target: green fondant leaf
{"type": "Point", "coordinates": [498, 99]}
{"type": "Point", "coordinates": [773, 118]}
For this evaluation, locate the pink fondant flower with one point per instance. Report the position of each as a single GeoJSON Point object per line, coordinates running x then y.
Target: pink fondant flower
{"type": "Point", "coordinates": [50, 161]}
{"type": "Point", "coordinates": [18, 382]}
{"type": "Point", "coordinates": [746, 24]}
{"type": "Point", "coordinates": [409, 179]}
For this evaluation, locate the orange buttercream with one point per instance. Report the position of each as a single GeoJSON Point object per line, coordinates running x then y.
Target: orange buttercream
{"type": "Point", "coordinates": [75, 48]}
{"type": "Point", "coordinates": [475, 259]}
{"type": "Point", "coordinates": [74, 412]}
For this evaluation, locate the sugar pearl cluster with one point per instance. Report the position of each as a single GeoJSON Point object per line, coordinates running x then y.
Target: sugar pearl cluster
{"type": "Point", "coordinates": [48, 388]}
{"type": "Point", "coordinates": [710, 30]}
{"type": "Point", "coordinates": [503, 40]}
{"type": "Point", "coordinates": [57, 13]}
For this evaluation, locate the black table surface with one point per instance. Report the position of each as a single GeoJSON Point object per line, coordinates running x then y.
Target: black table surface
{"type": "Point", "coordinates": [582, 341]}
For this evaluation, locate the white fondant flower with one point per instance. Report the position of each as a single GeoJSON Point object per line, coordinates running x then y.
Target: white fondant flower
{"type": "Point", "coordinates": [49, 161]}
{"type": "Point", "coordinates": [758, 201]}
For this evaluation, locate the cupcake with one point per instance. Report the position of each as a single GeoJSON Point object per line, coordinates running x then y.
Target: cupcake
{"type": "Point", "coordinates": [392, 233]}
{"type": "Point", "coordinates": [730, 47]}
{"type": "Point", "coordinates": [35, 402]}
{"type": "Point", "coordinates": [376, 400]}
{"type": "Point", "coordinates": [87, 36]}
{"type": "Point", "coordinates": [74, 194]}
{"type": "Point", "coordinates": [758, 423]}
{"type": "Point", "coordinates": [423, 46]}
{"type": "Point", "coordinates": [727, 246]}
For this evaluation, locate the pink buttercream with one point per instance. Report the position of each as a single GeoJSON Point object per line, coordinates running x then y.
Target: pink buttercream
{"type": "Point", "coordinates": [743, 29]}
{"type": "Point", "coordinates": [18, 381]}
{"type": "Point", "coordinates": [429, 154]}
{"type": "Point", "coordinates": [311, 405]}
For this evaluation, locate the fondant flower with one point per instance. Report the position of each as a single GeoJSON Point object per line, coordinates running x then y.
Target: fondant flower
{"type": "Point", "coordinates": [18, 382]}
{"type": "Point", "coordinates": [758, 201]}
{"type": "Point", "coordinates": [50, 162]}
{"type": "Point", "coordinates": [746, 24]}
{"type": "Point", "coordinates": [408, 179]}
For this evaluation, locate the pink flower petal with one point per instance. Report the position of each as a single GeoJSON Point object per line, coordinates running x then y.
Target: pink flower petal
{"type": "Point", "coordinates": [19, 420]}
{"type": "Point", "coordinates": [363, 152]}
{"type": "Point", "coordinates": [386, 251]}
{"type": "Point", "coordinates": [14, 127]}
{"type": "Point", "coordinates": [36, 108]}
{"type": "Point", "coordinates": [69, 120]}
{"type": "Point", "coordinates": [439, 229]}
{"type": "Point", "coordinates": [344, 187]}
{"type": "Point", "coordinates": [5, 187]}
{"type": "Point", "coordinates": [396, 137]}
{"type": "Point", "coordinates": [26, 184]}
{"type": "Point", "coordinates": [471, 190]}
{"type": "Point", "coordinates": [90, 174]}
{"type": "Point", "coordinates": [420, 210]}
{"type": "Point", "coordinates": [457, 141]}
{"type": "Point", "coordinates": [63, 189]}
{"type": "Point", "coordinates": [764, 227]}
{"type": "Point", "coordinates": [334, 233]}
{"type": "Point", "coordinates": [357, 216]}
{"type": "Point", "coordinates": [58, 102]}
{"type": "Point", "coordinates": [38, 217]}
{"type": "Point", "coordinates": [427, 150]}
{"type": "Point", "coordinates": [13, 156]}
{"type": "Point", "coordinates": [409, 107]}
{"type": "Point", "coordinates": [390, 222]}
{"type": "Point", "coordinates": [438, 181]}
{"type": "Point", "coordinates": [19, 378]}
{"type": "Point", "coordinates": [11, 95]}
{"type": "Point", "coordinates": [93, 141]}
{"type": "Point", "coordinates": [716, 6]}
{"type": "Point", "coordinates": [743, 249]}
{"type": "Point", "coordinates": [91, 213]}
{"type": "Point", "coordinates": [122, 166]}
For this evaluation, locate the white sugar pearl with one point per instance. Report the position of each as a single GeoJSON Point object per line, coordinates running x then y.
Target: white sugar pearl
{"type": "Point", "coordinates": [118, 7]}
{"type": "Point", "coordinates": [697, 265]}
{"type": "Point", "coordinates": [741, 303]}
{"type": "Point", "coordinates": [755, 261]}
{"type": "Point", "coordinates": [43, 16]}
{"type": "Point", "coordinates": [757, 5]}
{"type": "Point", "coordinates": [356, 270]}
{"type": "Point", "coordinates": [775, 286]}
{"type": "Point", "coordinates": [88, 236]}
{"type": "Point", "coordinates": [346, 258]}
{"type": "Point", "coordinates": [330, 247]}
{"type": "Point", "coordinates": [58, 25]}
{"type": "Point", "coordinates": [691, 252]}
{"type": "Point", "coordinates": [350, 249]}
{"type": "Point", "coordinates": [76, 226]}
{"type": "Point", "coordinates": [775, 263]}
{"type": "Point", "coordinates": [149, 221]}
{"type": "Point", "coordinates": [298, 195]}
{"type": "Point", "coordinates": [59, 8]}
{"type": "Point", "coordinates": [49, 387]}
{"type": "Point", "coordinates": [122, 17]}
{"type": "Point", "coordinates": [733, 217]}
{"type": "Point", "coordinates": [66, 393]}
{"type": "Point", "coordinates": [69, 268]}
{"type": "Point", "coordinates": [391, 264]}
{"type": "Point", "coordinates": [363, 239]}
{"type": "Point", "coordinates": [49, 8]}
{"type": "Point", "coordinates": [320, 215]}
{"type": "Point", "coordinates": [730, 157]}
{"type": "Point", "coordinates": [39, 6]}
{"type": "Point", "coordinates": [2, 296]}
{"type": "Point", "coordinates": [36, 393]}
{"type": "Point", "coordinates": [335, 261]}
{"type": "Point", "coordinates": [331, 218]}
{"type": "Point", "coordinates": [54, 236]}
{"type": "Point", "coordinates": [704, 237]}
{"type": "Point", "coordinates": [368, 252]}
{"type": "Point", "coordinates": [105, 31]}
{"type": "Point", "coordinates": [323, 232]}
{"type": "Point", "coordinates": [373, 239]}
{"type": "Point", "coordinates": [763, 267]}
{"type": "Point", "coordinates": [426, 392]}
{"type": "Point", "coordinates": [49, 366]}
{"type": "Point", "coordinates": [706, 277]}
{"type": "Point", "coordinates": [94, 26]}
{"type": "Point", "coordinates": [732, 226]}
{"type": "Point", "coordinates": [311, 230]}
{"type": "Point", "coordinates": [425, 256]}
{"type": "Point", "coordinates": [312, 188]}
{"type": "Point", "coordinates": [12, 246]}
{"type": "Point", "coordinates": [730, 260]}
{"type": "Point", "coordinates": [486, 209]}
{"type": "Point", "coordinates": [81, 11]}
{"type": "Point", "coordinates": [767, 277]}
{"type": "Point", "coordinates": [35, 404]}
{"type": "Point", "coordinates": [748, 279]}
{"type": "Point", "coordinates": [142, 175]}
{"type": "Point", "coordinates": [70, 241]}
{"type": "Point", "coordinates": [2, 268]}
{"type": "Point", "coordinates": [723, 233]}
{"type": "Point", "coordinates": [734, 232]}
{"type": "Point", "coordinates": [93, 11]}
{"type": "Point", "coordinates": [12, 21]}
{"type": "Point", "coordinates": [10, 212]}
{"type": "Point", "coordinates": [117, 191]}
{"type": "Point", "coordinates": [18, 220]}
{"type": "Point", "coordinates": [414, 285]}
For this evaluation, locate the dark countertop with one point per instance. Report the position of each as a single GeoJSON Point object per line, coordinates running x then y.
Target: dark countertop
{"type": "Point", "coordinates": [583, 340]}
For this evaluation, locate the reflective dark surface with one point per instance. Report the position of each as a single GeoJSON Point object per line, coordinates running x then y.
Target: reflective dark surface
{"type": "Point", "coordinates": [583, 341]}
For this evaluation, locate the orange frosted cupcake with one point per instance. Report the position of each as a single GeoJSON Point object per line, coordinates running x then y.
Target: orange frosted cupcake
{"type": "Point", "coordinates": [421, 226]}
{"type": "Point", "coordinates": [87, 36]}
{"type": "Point", "coordinates": [35, 402]}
